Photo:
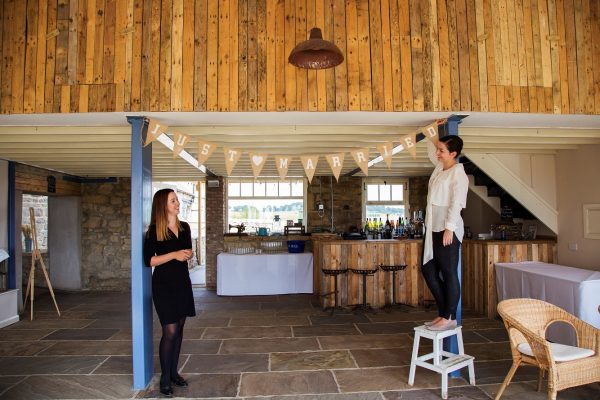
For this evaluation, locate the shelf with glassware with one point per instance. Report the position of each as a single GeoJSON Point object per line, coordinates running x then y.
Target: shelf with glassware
{"type": "Point", "coordinates": [395, 228]}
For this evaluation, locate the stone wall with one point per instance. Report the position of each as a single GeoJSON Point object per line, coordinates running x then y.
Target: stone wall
{"type": "Point", "coordinates": [347, 203]}
{"type": "Point", "coordinates": [417, 194]}
{"type": "Point", "coordinates": [40, 207]}
{"type": "Point", "coordinates": [216, 202]}
{"type": "Point", "coordinates": [106, 240]}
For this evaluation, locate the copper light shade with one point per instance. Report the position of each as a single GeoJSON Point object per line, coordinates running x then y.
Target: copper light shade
{"type": "Point", "coordinates": [316, 53]}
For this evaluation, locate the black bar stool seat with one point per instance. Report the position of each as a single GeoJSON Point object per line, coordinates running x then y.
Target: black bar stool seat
{"type": "Point", "coordinates": [393, 269]}
{"type": "Point", "coordinates": [364, 306]}
{"type": "Point", "coordinates": [334, 273]}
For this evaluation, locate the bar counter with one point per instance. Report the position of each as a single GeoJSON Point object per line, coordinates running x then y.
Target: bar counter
{"type": "Point", "coordinates": [368, 254]}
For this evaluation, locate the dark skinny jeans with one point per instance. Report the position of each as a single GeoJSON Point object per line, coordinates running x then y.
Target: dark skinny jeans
{"type": "Point", "coordinates": [441, 275]}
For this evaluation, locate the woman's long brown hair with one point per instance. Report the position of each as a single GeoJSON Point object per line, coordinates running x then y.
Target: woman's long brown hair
{"type": "Point", "coordinates": [159, 217]}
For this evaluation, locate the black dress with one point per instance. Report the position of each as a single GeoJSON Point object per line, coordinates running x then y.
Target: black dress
{"type": "Point", "coordinates": [171, 285]}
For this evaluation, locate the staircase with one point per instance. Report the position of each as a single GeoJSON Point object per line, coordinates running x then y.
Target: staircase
{"type": "Point", "coordinates": [507, 202]}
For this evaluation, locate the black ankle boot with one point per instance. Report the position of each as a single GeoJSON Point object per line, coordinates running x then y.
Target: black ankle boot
{"type": "Point", "coordinates": [165, 388]}
{"type": "Point", "coordinates": [179, 381]}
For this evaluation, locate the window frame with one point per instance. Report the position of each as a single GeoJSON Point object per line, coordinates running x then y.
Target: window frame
{"type": "Point", "coordinates": [383, 181]}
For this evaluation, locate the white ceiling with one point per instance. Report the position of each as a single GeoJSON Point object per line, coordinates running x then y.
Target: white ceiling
{"type": "Point", "coordinates": [98, 144]}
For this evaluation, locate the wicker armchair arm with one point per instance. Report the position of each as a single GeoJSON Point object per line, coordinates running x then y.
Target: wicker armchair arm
{"type": "Point", "coordinates": [588, 336]}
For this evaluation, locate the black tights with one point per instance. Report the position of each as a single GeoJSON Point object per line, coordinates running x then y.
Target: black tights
{"type": "Point", "coordinates": [441, 275]}
{"type": "Point", "coordinates": [170, 345]}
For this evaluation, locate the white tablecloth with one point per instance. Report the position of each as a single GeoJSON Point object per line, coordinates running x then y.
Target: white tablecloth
{"type": "Point", "coordinates": [573, 289]}
{"type": "Point", "coordinates": [259, 274]}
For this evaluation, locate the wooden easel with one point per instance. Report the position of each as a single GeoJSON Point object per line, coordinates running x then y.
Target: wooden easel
{"type": "Point", "coordinates": [36, 255]}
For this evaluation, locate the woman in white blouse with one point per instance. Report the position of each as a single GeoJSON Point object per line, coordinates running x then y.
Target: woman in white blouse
{"type": "Point", "coordinates": [446, 197]}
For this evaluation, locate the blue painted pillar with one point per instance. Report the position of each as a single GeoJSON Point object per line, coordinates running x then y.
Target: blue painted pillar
{"type": "Point", "coordinates": [451, 344]}
{"type": "Point", "coordinates": [11, 277]}
{"type": "Point", "coordinates": [141, 276]}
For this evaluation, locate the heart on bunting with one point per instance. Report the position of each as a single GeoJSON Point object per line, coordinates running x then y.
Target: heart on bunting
{"type": "Point", "coordinates": [257, 160]}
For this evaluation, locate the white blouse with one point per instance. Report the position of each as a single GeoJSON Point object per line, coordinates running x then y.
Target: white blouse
{"type": "Point", "coordinates": [446, 197]}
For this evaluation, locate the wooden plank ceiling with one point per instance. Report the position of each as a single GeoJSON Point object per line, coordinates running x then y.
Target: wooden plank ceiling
{"type": "Point", "coordinates": [103, 151]}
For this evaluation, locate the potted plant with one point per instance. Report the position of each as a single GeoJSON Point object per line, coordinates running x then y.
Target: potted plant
{"type": "Point", "coordinates": [27, 239]}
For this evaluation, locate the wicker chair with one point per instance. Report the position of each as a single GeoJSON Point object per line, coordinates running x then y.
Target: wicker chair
{"type": "Point", "coordinates": [526, 321]}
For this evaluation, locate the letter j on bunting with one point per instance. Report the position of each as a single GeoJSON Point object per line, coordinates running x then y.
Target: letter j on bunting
{"type": "Point", "coordinates": [336, 162]}
{"type": "Point", "coordinates": [232, 156]}
{"type": "Point", "coordinates": [155, 129]}
{"type": "Point", "coordinates": [257, 161]}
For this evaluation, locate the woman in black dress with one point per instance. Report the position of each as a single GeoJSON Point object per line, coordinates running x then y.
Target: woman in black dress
{"type": "Point", "coordinates": [168, 246]}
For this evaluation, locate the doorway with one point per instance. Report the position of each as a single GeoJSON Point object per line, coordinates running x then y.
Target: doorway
{"type": "Point", "coordinates": [192, 198]}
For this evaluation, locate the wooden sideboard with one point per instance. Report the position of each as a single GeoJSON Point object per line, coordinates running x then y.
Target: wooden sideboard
{"type": "Point", "coordinates": [368, 254]}
{"type": "Point", "coordinates": [479, 292]}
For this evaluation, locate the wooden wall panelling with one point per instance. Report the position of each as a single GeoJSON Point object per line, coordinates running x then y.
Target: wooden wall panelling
{"type": "Point", "coordinates": [280, 56]}
{"type": "Point", "coordinates": [562, 48]}
{"type": "Point", "coordinates": [177, 56]}
{"type": "Point", "coordinates": [201, 55]}
{"type": "Point", "coordinates": [212, 56]}
{"type": "Point", "coordinates": [416, 55]}
{"type": "Point", "coordinates": [352, 56]}
{"type": "Point", "coordinates": [261, 97]}
{"type": "Point", "coordinates": [74, 23]}
{"type": "Point", "coordinates": [489, 41]}
{"type": "Point", "coordinates": [289, 44]}
{"type": "Point", "coordinates": [537, 54]}
{"type": "Point", "coordinates": [18, 57]}
{"type": "Point", "coordinates": [165, 55]}
{"type": "Point", "coordinates": [364, 53]}
{"type": "Point", "coordinates": [463, 54]}
{"type": "Point", "coordinates": [146, 56]}
{"type": "Point", "coordinates": [554, 40]}
{"type": "Point", "coordinates": [136, 59]}
{"type": "Point", "coordinates": [522, 64]}
{"type": "Point", "coordinates": [395, 69]}
{"type": "Point", "coordinates": [40, 73]}
{"type": "Point", "coordinates": [435, 55]}
{"type": "Point", "coordinates": [453, 46]}
{"type": "Point", "coordinates": [270, 54]}
{"type": "Point", "coordinates": [498, 57]}
{"type": "Point", "coordinates": [595, 16]}
{"type": "Point", "coordinates": [50, 56]}
{"type": "Point", "coordinates": [515, 93]}
{"type": "Point", "coordinates": [546, 58]}
{"type": "Point", "coordinates": [481, 40]}
{"type": "Point", "coordinates": [329, 74]}
{"type": "Point", "coordinates": [128, 34]}
{"type": "Point", "coordinates": [588, 63]}
{"type": "Point", "coordinates": [377, 62]}
{"type": "Point", "coordinates": [233, 56]}
{"type": "Point", "coordinates": [528, 40]}
{"type": "Point", "coordinates": [30, 58]}
{"type": "Point", "coordinates": [4, 53]}
{"type": "Point", "coordinates": [98, 50]}
{"type": "Point", "coordinates": [571, 47]}
{"type": "Point", "coordinates": [243, 56]}
{"type": "Point", "coordinates": [252, 57]}
{"type": "Point", "coordinates": [405, 55]}
{"type": "Point", "coordinates": [473, 56]}
{"type": "Point", "coordinates": [341, 71]}
{"type": "Point", "coordinates": [113, 64]}
{"type": "Point", "coordinates": [321, 86]}
{"type": "Point", "coordinates": [427, 55]}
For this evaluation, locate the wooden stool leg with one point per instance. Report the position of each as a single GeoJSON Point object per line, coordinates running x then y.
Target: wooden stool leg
{"type": "Point", "coordinates": [49, 284]}
{"type": "Point", "coordinates": [413, 360]}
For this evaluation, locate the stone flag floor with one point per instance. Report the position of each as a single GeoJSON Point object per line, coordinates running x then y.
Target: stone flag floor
{"type": "Point", "coordinates": [283, 347]}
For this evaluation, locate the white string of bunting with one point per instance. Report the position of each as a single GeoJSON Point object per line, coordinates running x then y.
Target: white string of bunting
{"type": "Point", "coordinates": [159, 132]}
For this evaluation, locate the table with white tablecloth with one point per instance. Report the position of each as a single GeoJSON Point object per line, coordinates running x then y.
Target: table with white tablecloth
{"type": "Point", "coordinates": [261, 274]}
{"type": "Point", "coordinates": [575, 290]}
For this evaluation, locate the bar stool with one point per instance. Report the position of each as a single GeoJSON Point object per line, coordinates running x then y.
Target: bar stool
{"type": "Point", "coordinates": [334, 273]}
{"type": "Point", "coordinates": [443, 362]}
{"type": "Point", "coordinates": [393, 269]}
{"type": "Point", "coordinates": [364, 272]}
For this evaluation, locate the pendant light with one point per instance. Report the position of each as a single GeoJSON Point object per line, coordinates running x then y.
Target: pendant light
{"type": "Point", "coordinates": [316, 53]}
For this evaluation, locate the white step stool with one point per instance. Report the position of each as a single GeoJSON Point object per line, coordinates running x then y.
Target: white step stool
{"type": "Point", "coordinates": [451, 363]}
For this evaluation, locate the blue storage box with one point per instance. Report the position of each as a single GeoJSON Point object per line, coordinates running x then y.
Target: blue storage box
{"type": "Point", "coordinates": [295, 246]}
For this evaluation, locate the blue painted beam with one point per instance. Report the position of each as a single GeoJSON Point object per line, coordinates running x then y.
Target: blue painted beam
{"type": "Point", "coordinates": [11, 275]}
{"type": "Point", "coordinates": [141, 276]}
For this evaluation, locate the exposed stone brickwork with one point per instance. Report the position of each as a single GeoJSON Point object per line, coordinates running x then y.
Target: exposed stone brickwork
{"type": "Point", "coordinates": [347, 203]}
{"type": "Point", "coordinates": [216, 201]}
{"type": "Point", "coordinates": [417, 193]}
{"type": "Point", "coordinates": [40, 207]}
{"type": "Point", "coordinates": [105, 231]}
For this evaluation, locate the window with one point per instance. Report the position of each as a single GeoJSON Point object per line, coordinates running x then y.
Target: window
{"type": "Point", "coordinates": [386, 199]}
{"type": "Point", "coordinates": [264, 203]}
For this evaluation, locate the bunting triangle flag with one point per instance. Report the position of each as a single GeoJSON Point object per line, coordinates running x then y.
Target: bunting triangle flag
{"type": "Point", "coordinates": [336, 162]}
{"type": "Point", "coordinates": [309, 163]}
{"type": "Point", "coordinates": [205, 150]}
{"type": "Point", "coordinates": [179, 142]}
{"type": "Point", "coordinates": [282, 163]}
{"type": "Point", "coordinates": [257, 162]}
{"type": "Point", "coordinates": [431, 132]}
{"type": "Point", "coordinates": [409, 142]}
{"type": "Point", "coordinates": [232, 156]}
{"type": "Point", "coordinates": [385, 149]}
{"type": "Point", "coordinates": [155, 129]}
{"type": "Point", "coordinates": [361, 156]}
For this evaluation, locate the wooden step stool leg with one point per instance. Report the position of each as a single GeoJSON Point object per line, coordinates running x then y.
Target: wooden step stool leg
{"type": "Point", "coordinates": [413, 360]}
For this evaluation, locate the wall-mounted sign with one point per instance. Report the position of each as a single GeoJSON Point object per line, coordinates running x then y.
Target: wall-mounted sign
{"type": "Point", "coordinates": [51, 184]}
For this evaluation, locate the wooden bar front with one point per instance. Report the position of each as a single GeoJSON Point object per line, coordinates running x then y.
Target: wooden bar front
{"type": "Point", "coordinates": [369, 254]}
{"type": "Point", "coordinates": [479, 292]}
